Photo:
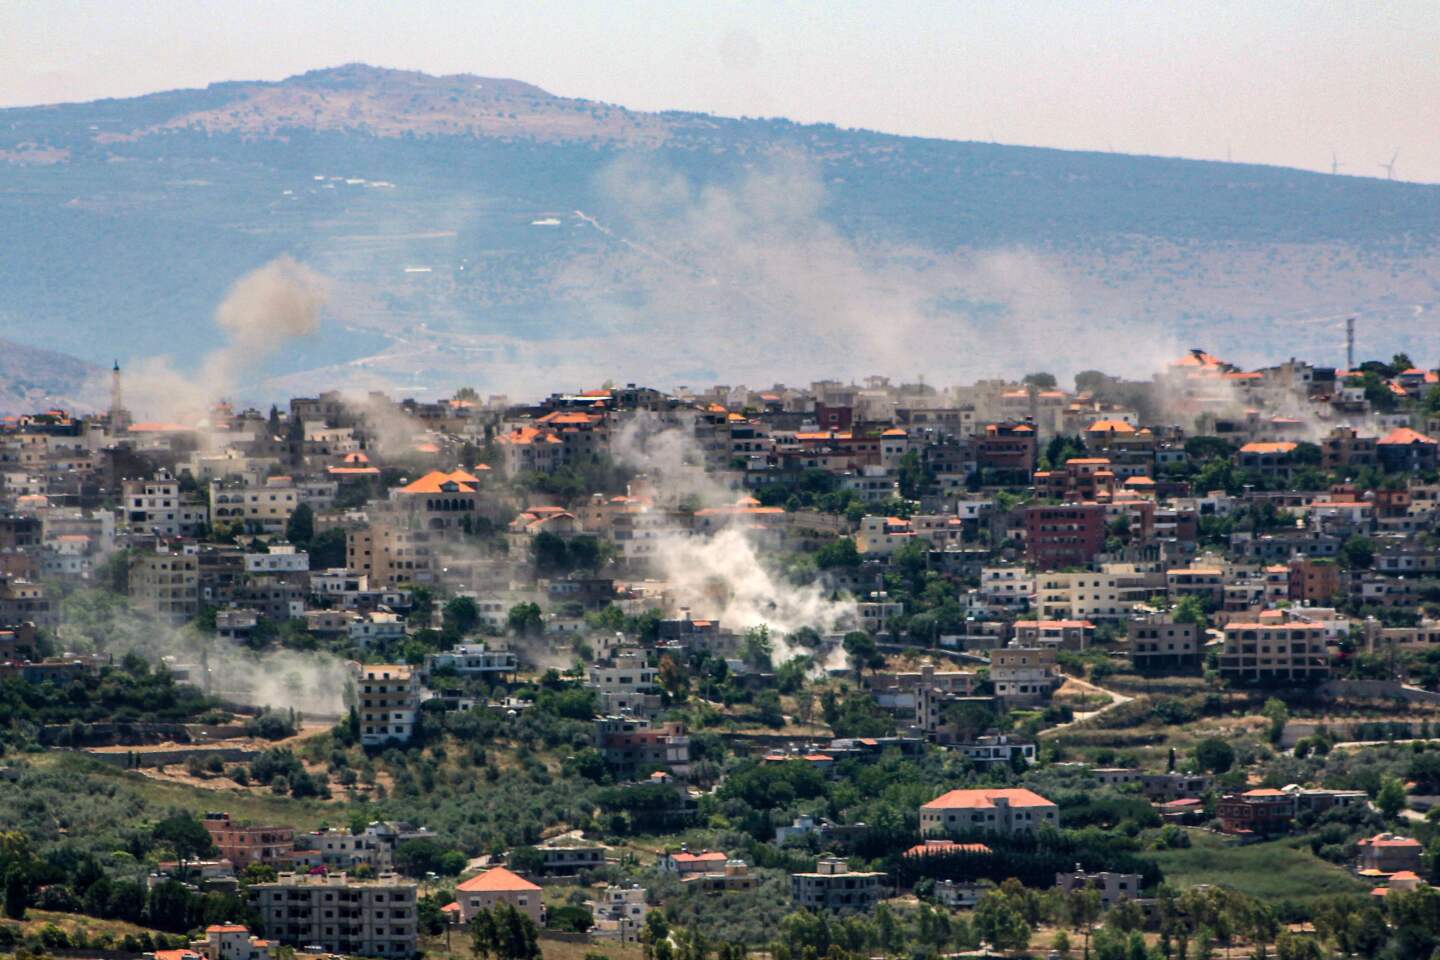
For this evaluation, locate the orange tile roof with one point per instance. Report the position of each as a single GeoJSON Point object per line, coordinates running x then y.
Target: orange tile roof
{"type": "Point", "coordinates": [436, 480]}
{"type": "Point", "coordinates": [227, 928]}
{"type": "Point", "coordinates": [352, 471]}
{"type": "Point", "coordinates": [704, 856]}
{"type": "Point", "coordinates": [1404, 436]}
{"type": "Point", "coordinates": [524, 436]}
{"type": "Point", "coordinates": [497, 880]}
{"type": "Point", "coordinates": [1282, 446]}
{"type": "Point", "coordinates": [983, 798]}
{"type": "Point", "coordinates": [1109, 426]}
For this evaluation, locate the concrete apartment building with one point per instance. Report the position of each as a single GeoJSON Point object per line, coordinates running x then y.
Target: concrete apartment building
{"type": "Point", "coordinates": [156, 508]}
{"type": "Point", "coordinates": [1012, 810]}
{"type": "Point", "coordinates": [1069, 535]}
{"type": "Point", "coordinates": [1112, 887]}
{"type": "Point", "coordinates": [389, 697]}
{"type": "Point", "coordinates": [496, 886]}
{"type": "Point", "coordinates": [1159, 643]}
{"type": "Point", "coordinates": [1081, 595]}
{"type": "Point", "coordinates": [256, 508]}
{"type": "Point", "coordinates": [1006, 587]}
{"type": "Point", "coordinates": [835, 887]}
{"type": "Point", "coordinates": [1269, 652]}
{"type": "Point", "coordinates": [166, 585]}
{"type": "Point", "coordinates": [389, 555]}
{"type": "Point", "coordinates": [243, 845]}
{"type": "Point", "coordinates": [1023, 674]}
{"type": "Point", "coordinates": [619, 913]}
{"type": "Point", "coordinates": [1057, 634]}
{"type": "Point", "coordinates": [374, 918]}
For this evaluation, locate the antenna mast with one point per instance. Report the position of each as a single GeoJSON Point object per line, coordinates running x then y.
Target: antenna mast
{"type": "Point", "coordinates": [1349, 343]}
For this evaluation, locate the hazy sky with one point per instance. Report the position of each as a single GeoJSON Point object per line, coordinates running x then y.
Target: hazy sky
{"type": "Point", "coordinates": [1268, 81]}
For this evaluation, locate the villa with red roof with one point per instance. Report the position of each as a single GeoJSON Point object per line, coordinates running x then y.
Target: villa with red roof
{"type": "Point", "coordinates": [683, 863]}
{"type": "Point", "coordinates": [495, 886]}
{"type": "Point", "coordinates": [993, 810]}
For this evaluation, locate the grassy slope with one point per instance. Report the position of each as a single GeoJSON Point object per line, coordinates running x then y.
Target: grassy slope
{"type": "Point", "coordinates": [245, 806]}
{"type": "Point", "coordinates": [1275, 870]}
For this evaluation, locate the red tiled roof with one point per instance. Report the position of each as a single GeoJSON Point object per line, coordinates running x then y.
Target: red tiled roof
{"type": "Point", "coordinates": [497, 880]}
{"type": "Point", "coordinates": [983, 798]}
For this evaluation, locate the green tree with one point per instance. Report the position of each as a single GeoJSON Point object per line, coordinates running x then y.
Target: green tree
{"type": "Point", "coordinates": [756, 647]}
{"type": "Point", "coordinates": [300, 528]}
{"type": "Point", "coordinates": [1214, 755]}
{"type": "Point", "coordinates": [840, 553]}
{"type": "Point", "coordinates": [860, 648]}
{"type": "Point", "coordinates": [460, 616]}
{"type": "Point", "coordinates": [1278, 715]}
{"type": "Point", "coordinates": [524, 620]}
{"type": "Point", "coordinates": [17, 892]}
{"type": "Point", "coordinates": [1391, 798]}
{"type": "Point", "coordinates": [997, 921]}
{"type": "Point", "coordinates": [184, 834]}
{"type": "Point", "coordinates": [1357, 552]}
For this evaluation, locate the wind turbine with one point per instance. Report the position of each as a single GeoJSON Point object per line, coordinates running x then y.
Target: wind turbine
{"type": "Point", "coordinates": [1390, 167]}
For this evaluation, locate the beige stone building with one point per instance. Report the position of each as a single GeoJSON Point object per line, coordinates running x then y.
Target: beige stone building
{"type": "Point", "coordinates": [374, 918]}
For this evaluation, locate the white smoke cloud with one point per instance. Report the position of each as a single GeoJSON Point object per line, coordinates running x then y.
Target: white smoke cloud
{"type": "Point", "coordinates": [723, 576]}
{"type": "Point", "coordinates": [751, 280]}
{"type": "Point", "coordinates": [311, 682]}
{"type": "Point", "coordinates": [263, 310]}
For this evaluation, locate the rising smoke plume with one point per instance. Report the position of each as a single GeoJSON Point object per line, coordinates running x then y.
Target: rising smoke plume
{"type": "Point", "coordinates": [724, 576]}
{"type": "Point", "coordinates": [751, 279]}
{"type": "Point", "coordinates": [261, 313]}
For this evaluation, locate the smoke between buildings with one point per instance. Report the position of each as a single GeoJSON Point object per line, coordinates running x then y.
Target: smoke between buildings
{"type": "Point", "coordinates": [313, 683]}
{"type": "Point", "coordinates": [723, 576]}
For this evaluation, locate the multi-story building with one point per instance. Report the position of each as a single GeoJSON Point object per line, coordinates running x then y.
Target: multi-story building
{"type": "Point", "coordinates": [1260, 811]}
{"type": "Point", "coordinates": [230, 941]}
{"type": "Point", "coordinates": [389, 697]}
{"type": "Point", "coordinates": [1006, 588]}
{"type": "Point", "coordinates": [632, 745]}
{"type": "Point", "coordinates": [1022, 674]}
{"type": "Point", "coordinates": [388, 555]}
{"type": "Point", "coordinates": [1069, 535]}
{"type": "Point", "coordinates": [243, 845]}
{"type": "Point", "coordinates": [254, 508]}
{"type": "Point", "coordinates": [987, 810]}
{"type": "Point", "coordinates": [1059, 634]}
{"type": "Point", "coordinates": [1389, 853]}
{"type": "Point", "coordinates": [474, 660]}
{"type": "Point", "coordinates": [496, 886]}
{"type": "Point", "coordinates": [1112, 887]}
{"type": "Point", "coordinates": [835, 887]}
{"type": "Point", "coordinates": [166, 585]}
{"type": "Point", "coordinates": [619, 913]}
{"type": "Point", "coordinates": [997, 748]}
{"type": "Point", "coordinates": [1081, 595]}
{"type": "Point", "coordinates": [375, 918]}
{"type": "Point", "coordinates": [1158, 642]}
{"type": "Point", "coordinates": [1274, 652]}
{"type": "Point", "coordinates": [157, 508]}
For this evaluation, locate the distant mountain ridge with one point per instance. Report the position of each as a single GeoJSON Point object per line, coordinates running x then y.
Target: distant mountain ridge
{"type": "Point", "coordinates": [476, 224]}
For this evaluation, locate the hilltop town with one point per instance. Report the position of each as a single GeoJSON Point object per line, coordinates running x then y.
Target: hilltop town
{"type": "Point", "coordinates": [1122, 668]}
